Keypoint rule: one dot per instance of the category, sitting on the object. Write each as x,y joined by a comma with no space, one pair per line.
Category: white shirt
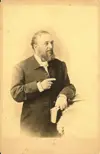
43,64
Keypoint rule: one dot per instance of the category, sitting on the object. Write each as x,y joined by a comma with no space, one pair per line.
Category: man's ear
35,46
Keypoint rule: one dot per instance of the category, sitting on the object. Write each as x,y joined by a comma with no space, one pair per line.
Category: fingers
49,82
49,86
64,106
61,106
51,79
57,105
61,130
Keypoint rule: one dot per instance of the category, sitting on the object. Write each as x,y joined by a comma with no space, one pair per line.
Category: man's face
44,47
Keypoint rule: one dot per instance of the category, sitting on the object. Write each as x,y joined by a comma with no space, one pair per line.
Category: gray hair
39,33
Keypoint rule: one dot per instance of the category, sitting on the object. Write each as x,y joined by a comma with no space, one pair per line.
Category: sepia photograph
50,78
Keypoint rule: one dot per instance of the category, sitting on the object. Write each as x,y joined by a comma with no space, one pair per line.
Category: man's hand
61,102
60,129
47,83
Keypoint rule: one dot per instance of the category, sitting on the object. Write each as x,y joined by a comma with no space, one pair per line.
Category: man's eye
46,43
52,42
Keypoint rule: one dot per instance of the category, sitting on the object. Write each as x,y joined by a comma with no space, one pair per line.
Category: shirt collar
44,64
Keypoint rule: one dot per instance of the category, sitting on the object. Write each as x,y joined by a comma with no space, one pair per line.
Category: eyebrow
49,41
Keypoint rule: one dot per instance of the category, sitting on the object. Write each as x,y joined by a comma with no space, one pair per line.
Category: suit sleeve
19,90
68,88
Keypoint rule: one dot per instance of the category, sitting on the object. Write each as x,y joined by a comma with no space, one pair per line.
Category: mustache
51,56
50,51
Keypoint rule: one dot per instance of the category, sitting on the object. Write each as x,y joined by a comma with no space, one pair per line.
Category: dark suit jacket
35,115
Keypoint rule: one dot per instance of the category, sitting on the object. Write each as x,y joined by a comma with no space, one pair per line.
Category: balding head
42,44
36,35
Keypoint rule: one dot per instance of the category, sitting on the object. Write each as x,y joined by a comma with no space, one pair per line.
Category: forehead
44,38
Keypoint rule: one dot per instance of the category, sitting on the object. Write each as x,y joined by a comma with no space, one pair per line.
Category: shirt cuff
40,88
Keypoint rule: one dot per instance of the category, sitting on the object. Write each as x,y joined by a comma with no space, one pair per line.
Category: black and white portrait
41,82
50,77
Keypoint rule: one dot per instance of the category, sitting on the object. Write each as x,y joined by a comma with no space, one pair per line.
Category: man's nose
50,45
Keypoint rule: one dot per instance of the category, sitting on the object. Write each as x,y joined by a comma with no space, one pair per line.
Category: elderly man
41,82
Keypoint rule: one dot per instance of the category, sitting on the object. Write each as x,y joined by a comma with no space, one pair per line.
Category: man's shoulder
25,62
58,62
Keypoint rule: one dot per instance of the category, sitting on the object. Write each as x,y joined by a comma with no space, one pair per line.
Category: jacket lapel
51,70
35,63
